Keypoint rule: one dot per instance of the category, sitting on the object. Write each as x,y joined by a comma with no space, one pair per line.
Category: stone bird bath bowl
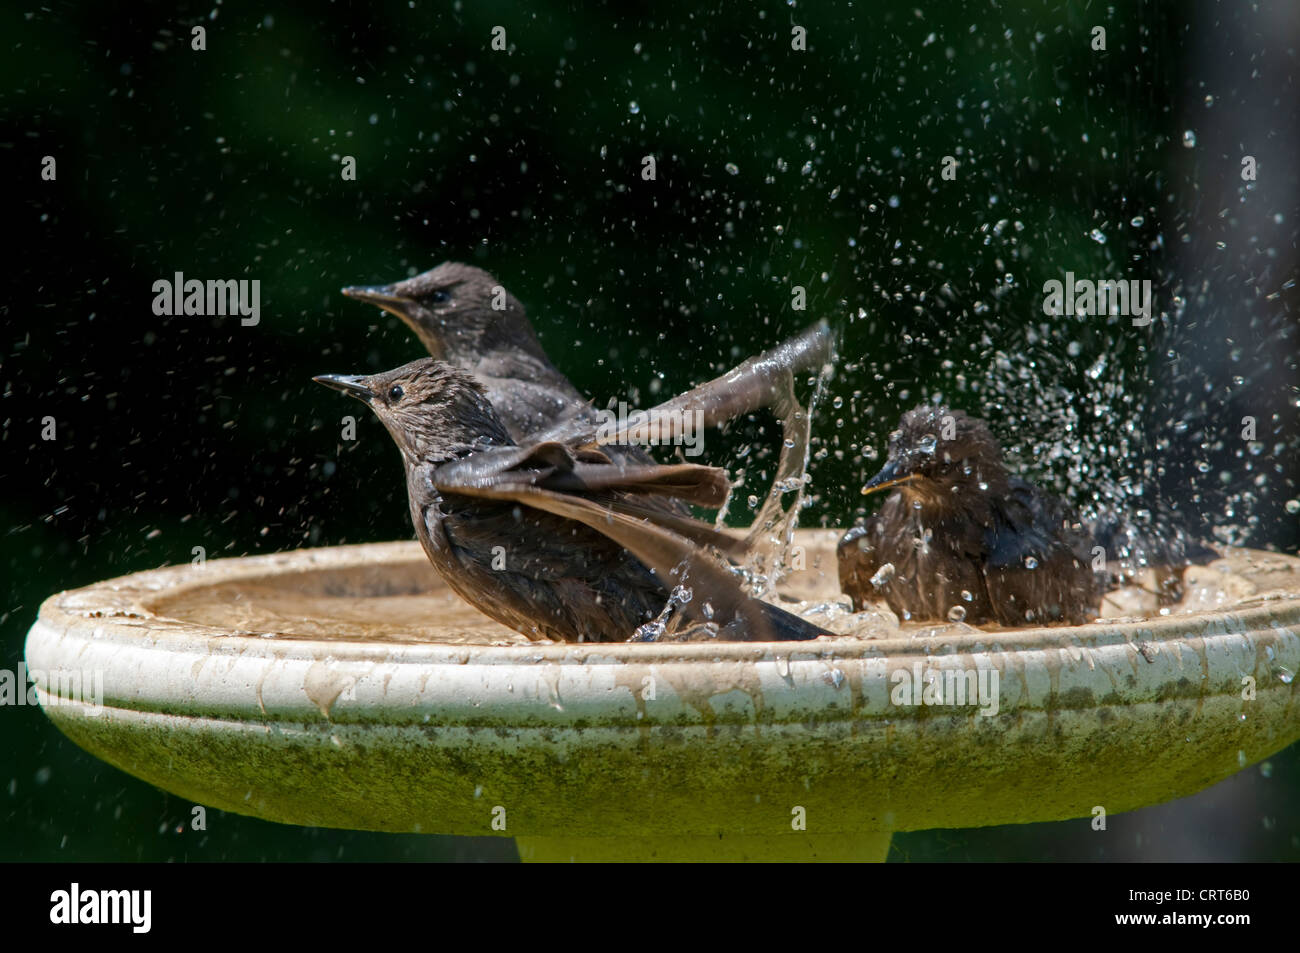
347,687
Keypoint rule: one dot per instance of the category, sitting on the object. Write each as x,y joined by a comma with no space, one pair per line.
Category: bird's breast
936,568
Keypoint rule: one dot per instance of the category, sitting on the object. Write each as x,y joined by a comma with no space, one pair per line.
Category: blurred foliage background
775,167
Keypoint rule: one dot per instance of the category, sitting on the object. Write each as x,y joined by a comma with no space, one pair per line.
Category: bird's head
458,311
936,449
435,412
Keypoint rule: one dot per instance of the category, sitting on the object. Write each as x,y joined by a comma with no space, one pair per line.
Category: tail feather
1145,541
783,626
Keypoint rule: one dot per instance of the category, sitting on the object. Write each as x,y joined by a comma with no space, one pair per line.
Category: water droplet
650,632
966,595
957,614
1098,236
883,575
633,108
927,444
1284,675
1189,139
1293,506
732,168
1209,101
1031,562
1137,221
1266,768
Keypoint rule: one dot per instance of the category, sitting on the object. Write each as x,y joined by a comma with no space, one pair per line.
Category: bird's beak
385,296
891,474
352,385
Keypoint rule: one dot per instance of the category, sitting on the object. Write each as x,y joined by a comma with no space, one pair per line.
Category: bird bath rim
430,736
135,597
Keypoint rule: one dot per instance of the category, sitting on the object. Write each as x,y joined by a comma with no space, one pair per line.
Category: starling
465,317
1012,553
554,540
960,538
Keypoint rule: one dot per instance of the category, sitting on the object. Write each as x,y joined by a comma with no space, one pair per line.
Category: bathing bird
465,317
555,540
961,538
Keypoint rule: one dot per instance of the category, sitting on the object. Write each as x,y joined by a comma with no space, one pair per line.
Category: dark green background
775,168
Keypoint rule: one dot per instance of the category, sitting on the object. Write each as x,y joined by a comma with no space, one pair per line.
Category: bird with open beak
553,540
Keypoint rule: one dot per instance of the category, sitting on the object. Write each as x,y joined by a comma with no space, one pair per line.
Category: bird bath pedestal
347,687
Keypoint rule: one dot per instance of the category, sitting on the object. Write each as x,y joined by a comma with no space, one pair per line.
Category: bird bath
347,687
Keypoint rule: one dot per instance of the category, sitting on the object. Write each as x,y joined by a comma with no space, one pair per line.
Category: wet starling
962,539
550,539
464,316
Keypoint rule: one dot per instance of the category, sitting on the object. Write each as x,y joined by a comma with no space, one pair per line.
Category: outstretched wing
627,489
676,557
555,466
742,390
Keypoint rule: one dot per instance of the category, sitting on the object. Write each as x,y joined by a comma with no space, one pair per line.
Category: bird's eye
440,296
396,393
